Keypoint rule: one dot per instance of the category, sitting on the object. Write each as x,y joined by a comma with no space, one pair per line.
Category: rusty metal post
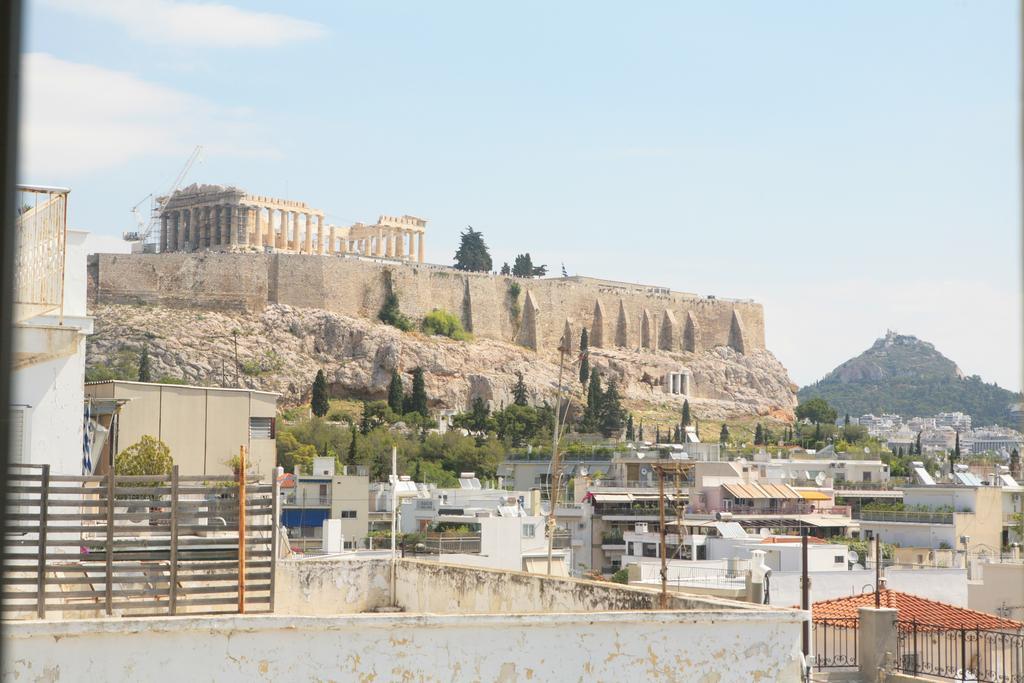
109,601
878,570
664,549
172,595
241,529
44,498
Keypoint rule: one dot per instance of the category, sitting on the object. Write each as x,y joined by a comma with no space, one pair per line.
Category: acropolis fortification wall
617,314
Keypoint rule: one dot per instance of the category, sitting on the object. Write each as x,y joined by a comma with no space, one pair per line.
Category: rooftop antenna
141,235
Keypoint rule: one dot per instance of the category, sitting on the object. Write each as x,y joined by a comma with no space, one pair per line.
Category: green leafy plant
147,456
441,322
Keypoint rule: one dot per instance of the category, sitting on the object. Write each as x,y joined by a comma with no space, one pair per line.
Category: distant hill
902,374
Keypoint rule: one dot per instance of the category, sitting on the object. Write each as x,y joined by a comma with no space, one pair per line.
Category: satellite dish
858,567
644,470
584,471
852,556
820,479
867,450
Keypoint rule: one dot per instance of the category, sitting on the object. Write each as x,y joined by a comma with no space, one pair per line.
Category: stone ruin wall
622,315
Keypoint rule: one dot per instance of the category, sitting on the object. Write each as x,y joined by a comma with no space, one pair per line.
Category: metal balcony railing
39,253
906,516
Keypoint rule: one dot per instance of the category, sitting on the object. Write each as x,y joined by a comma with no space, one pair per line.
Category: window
529,530
348,514
17,436
839,559
867,476
349,545
261,428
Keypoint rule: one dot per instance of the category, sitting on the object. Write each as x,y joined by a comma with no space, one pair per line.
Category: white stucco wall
46,384
659,646
944,585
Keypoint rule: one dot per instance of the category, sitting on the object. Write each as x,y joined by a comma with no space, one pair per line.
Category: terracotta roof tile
913,608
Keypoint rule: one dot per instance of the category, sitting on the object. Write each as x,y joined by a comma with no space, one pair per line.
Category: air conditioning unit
640,527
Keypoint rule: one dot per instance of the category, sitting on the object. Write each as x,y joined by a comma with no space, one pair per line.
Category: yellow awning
814,495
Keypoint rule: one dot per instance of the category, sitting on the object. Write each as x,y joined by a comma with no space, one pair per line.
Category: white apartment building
50,327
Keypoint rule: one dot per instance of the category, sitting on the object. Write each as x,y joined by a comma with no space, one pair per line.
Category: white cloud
79,117
193,23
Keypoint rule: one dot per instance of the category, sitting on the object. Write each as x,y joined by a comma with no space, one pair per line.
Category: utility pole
878,569
664,549
805,592
556,461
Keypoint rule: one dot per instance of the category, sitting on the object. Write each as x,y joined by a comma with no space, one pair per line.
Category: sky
852,166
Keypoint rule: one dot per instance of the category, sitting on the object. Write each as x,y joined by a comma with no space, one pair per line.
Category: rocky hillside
903,374
281,349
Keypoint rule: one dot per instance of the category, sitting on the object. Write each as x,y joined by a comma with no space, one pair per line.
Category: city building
203,426
309,500
48,339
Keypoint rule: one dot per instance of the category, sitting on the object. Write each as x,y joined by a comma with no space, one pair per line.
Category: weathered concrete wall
355,286
347,586
662,646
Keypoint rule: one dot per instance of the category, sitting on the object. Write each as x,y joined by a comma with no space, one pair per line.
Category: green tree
917,444
1015,470
723,436
477,419
505,269
846,420
611,411
686,413
759,435
956,449
441,322
517,424
147,456
353,450
519,394
640,432
144,369
591,421
677,435
523,267
816,410
472,254
584,356
396,394
419,393
391,314
630,435
319,402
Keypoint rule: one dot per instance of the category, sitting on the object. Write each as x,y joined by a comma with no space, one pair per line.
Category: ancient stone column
193,228
419,247
308,246
333,242
379,251
296,235
163,232
181,220
257,236
235,225
321,236
281,239
399,245
218,234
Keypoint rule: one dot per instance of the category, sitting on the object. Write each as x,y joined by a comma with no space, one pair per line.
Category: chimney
535,502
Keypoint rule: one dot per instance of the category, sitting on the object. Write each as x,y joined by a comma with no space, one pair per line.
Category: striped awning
752,491
814,495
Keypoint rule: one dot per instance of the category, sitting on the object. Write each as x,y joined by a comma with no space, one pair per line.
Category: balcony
906,516
299,500
39,256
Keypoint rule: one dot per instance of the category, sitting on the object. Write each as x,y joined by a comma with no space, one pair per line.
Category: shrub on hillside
440,321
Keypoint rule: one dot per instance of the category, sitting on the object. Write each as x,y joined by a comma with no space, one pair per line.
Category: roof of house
913,608
751,490
811,540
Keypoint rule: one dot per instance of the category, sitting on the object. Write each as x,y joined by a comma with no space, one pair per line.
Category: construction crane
141,235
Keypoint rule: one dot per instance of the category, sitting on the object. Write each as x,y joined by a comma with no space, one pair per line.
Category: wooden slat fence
138,545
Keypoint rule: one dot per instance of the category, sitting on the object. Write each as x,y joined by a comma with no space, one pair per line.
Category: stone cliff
280,348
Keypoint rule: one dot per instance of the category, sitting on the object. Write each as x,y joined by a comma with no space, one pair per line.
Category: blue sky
852,166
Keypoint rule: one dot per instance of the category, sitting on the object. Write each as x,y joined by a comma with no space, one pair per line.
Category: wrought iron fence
834,643
960,654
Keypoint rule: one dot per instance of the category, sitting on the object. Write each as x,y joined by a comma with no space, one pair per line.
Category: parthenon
219,218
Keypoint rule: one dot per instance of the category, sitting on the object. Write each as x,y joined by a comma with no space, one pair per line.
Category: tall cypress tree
396,394
592,413
723,436
630,435
418,401
584,356
319,402
686,413
519,393
144,370
956,448
759,435
611,410
351,459
640,433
